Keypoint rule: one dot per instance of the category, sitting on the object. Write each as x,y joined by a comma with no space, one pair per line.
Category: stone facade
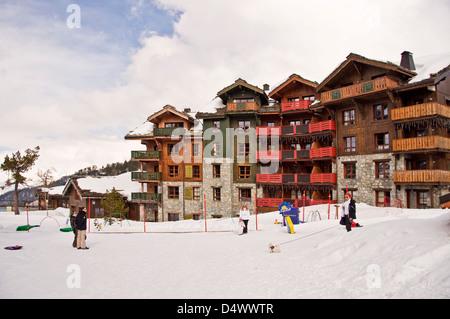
365,185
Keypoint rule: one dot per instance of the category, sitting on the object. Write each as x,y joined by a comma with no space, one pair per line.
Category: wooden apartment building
171,166
369,129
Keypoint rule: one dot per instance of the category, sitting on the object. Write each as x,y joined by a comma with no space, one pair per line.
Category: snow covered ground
397,254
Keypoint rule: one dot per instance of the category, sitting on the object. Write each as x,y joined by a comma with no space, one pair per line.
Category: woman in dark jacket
73,222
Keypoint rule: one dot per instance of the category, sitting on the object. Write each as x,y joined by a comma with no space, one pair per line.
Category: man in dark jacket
81,228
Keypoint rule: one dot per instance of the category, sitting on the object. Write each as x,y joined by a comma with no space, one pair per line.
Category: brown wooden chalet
379,111
89,191
171,167
422,142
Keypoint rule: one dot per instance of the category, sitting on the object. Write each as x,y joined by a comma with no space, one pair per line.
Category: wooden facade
170,165
367,129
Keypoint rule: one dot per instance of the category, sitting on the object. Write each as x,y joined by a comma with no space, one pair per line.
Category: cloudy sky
76,79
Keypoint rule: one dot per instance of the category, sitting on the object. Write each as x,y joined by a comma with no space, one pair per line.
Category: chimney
266,87
407,61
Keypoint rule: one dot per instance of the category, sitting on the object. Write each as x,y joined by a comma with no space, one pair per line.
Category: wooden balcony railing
323,152
267,131
359,89
293,106
420,110
146,197
422,176
166,131
296,178
268,155
421,143
145,155
146,176
247,106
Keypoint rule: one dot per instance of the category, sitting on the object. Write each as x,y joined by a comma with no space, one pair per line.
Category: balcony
295,106
421,144
268,155
296,202
268,131
242,107
167,131
145,155
323,152
309,128
146,197
363,88
146,176
419,111
422,176
296,178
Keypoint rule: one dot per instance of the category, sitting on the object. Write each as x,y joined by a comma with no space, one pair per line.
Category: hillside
27,194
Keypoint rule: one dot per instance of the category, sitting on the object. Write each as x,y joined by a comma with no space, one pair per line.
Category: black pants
245,226
348,223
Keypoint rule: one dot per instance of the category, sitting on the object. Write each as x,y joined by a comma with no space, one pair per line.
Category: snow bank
397,254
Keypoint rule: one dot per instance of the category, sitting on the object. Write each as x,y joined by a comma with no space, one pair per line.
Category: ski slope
396,254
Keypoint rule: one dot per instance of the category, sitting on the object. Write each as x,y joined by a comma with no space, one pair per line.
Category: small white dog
274,248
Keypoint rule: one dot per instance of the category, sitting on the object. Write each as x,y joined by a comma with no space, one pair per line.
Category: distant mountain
28,194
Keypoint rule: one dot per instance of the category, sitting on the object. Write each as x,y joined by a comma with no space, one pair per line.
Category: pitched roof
292,79
355,58
169,108
241,83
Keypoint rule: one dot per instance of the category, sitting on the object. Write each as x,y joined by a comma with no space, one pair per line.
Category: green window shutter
188,193
188,171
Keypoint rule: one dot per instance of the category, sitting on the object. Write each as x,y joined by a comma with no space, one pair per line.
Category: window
217,192
216,125
244,100
270,124
175,124
172,148
422,199
196,193
382,141
309,98
244,171
380,112
382,198
173,170
216,151
294,99
244,125
421,165
350,144
173,217
349,117
243,149
216,171
174,192
421,133
350,170
294,123
382,169
196,171
195,149
245,194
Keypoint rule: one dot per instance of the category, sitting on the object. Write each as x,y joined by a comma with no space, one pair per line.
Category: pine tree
17,165
113,203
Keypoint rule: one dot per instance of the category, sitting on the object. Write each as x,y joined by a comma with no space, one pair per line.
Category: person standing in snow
73,222
345,217
244,216
81,228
